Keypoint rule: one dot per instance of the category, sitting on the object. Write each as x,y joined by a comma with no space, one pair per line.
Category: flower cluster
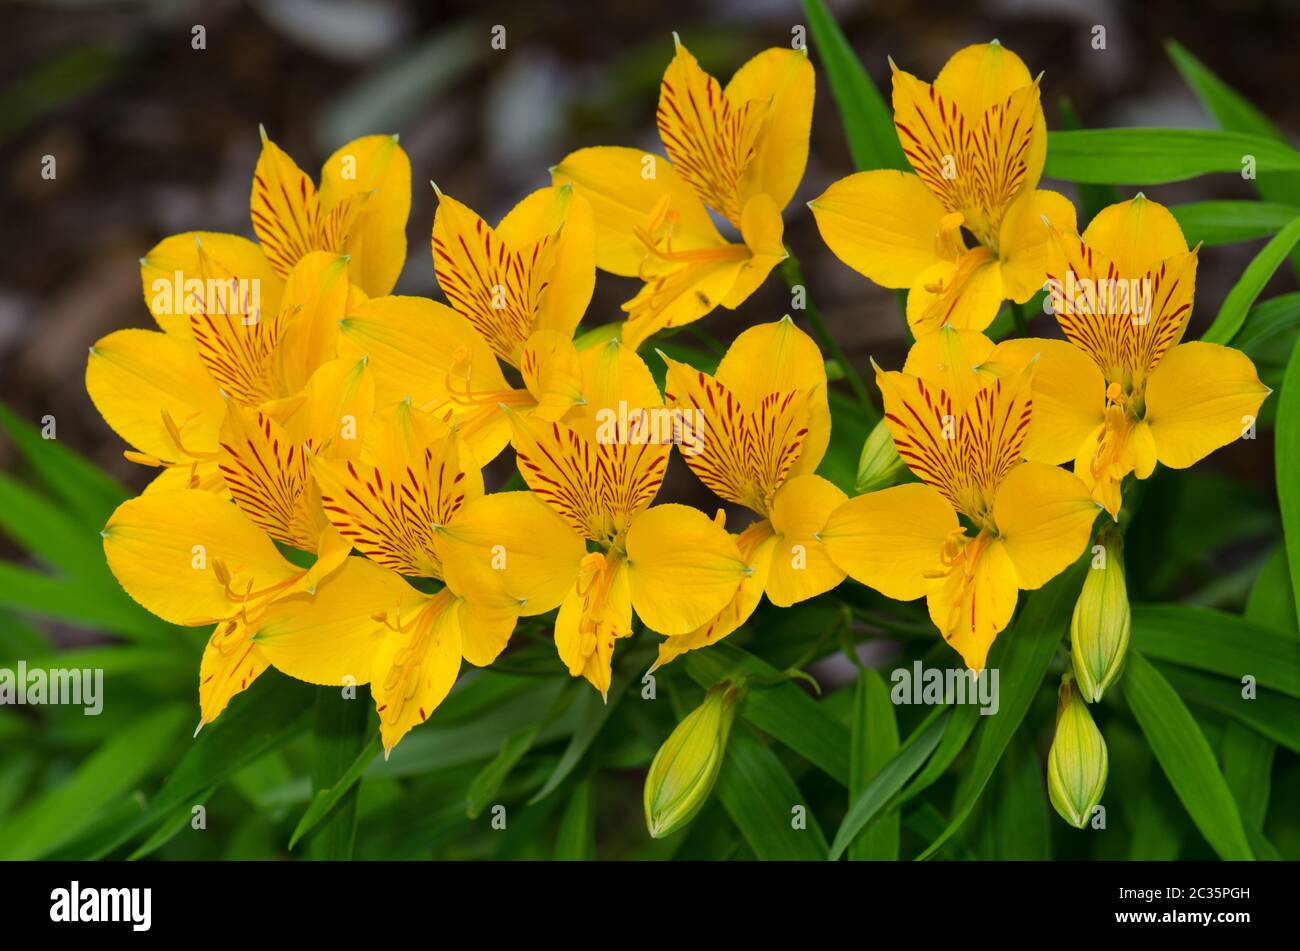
321,442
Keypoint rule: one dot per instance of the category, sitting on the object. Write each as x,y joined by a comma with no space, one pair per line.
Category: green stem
793,274
1018,315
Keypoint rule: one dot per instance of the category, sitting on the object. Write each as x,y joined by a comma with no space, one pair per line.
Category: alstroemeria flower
739,150
518,292
233,334
1122,294
194,559
759,428
600,471
982,523
976,140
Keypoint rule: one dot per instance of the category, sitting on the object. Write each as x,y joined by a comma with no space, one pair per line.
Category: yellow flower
599,471
1123,294
518,292
739,150
409,504
755,433
233,335
194,559
1027,521
976,140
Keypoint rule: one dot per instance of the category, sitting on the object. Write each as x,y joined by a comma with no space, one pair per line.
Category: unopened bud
1077,764
686,766
880,464
1099,633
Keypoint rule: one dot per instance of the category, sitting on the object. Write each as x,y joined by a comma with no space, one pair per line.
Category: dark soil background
154,137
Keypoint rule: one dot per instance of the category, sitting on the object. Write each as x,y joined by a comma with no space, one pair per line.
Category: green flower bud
686,766
1099,633
879,465
1077,764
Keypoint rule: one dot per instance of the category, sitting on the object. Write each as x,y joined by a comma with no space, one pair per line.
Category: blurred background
154,137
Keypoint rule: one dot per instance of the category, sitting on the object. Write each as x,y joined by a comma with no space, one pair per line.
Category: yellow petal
331,637
626,189
1069,394
267,475
1044,516
682,568
891,540
552,370
1135,234
485,630
1200,397
778,357
315,300
332,413
883,224
801,565
965,294
974,601
686,290
709,136
172,282
426,351
1022,240
231,662
415,667
562,212
508,549
1118,446
285,209
595,613
764,232
782,82
141,379
376,169
756,544
952,360
191,557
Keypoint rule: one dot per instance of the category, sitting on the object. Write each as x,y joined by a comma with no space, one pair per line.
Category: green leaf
1287,451
83,486
1159,156
343,745
1268,714
868,123
760,797
1266,320
1219,643
1022,654
783,711
172,827
596,711
875,743
1229,222
1186,758
576,840
108,773
487,783
1092,198
1017,821
965,717
1248,770
67,600
267,715
1232,315
50,532
888,781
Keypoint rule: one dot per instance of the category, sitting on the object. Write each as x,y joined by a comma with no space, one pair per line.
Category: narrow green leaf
487,783
875,743
764,802
1232,315
51,532
341,736
965,717
596,711
1018,810
1229,222
888,781
1248,770
576,840
1092,198
1287,451
67,600
172,827
868,123
108,773
1268,713
1186,758
271,712
1219,643
783,711
1159,156
1266,320
82,485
